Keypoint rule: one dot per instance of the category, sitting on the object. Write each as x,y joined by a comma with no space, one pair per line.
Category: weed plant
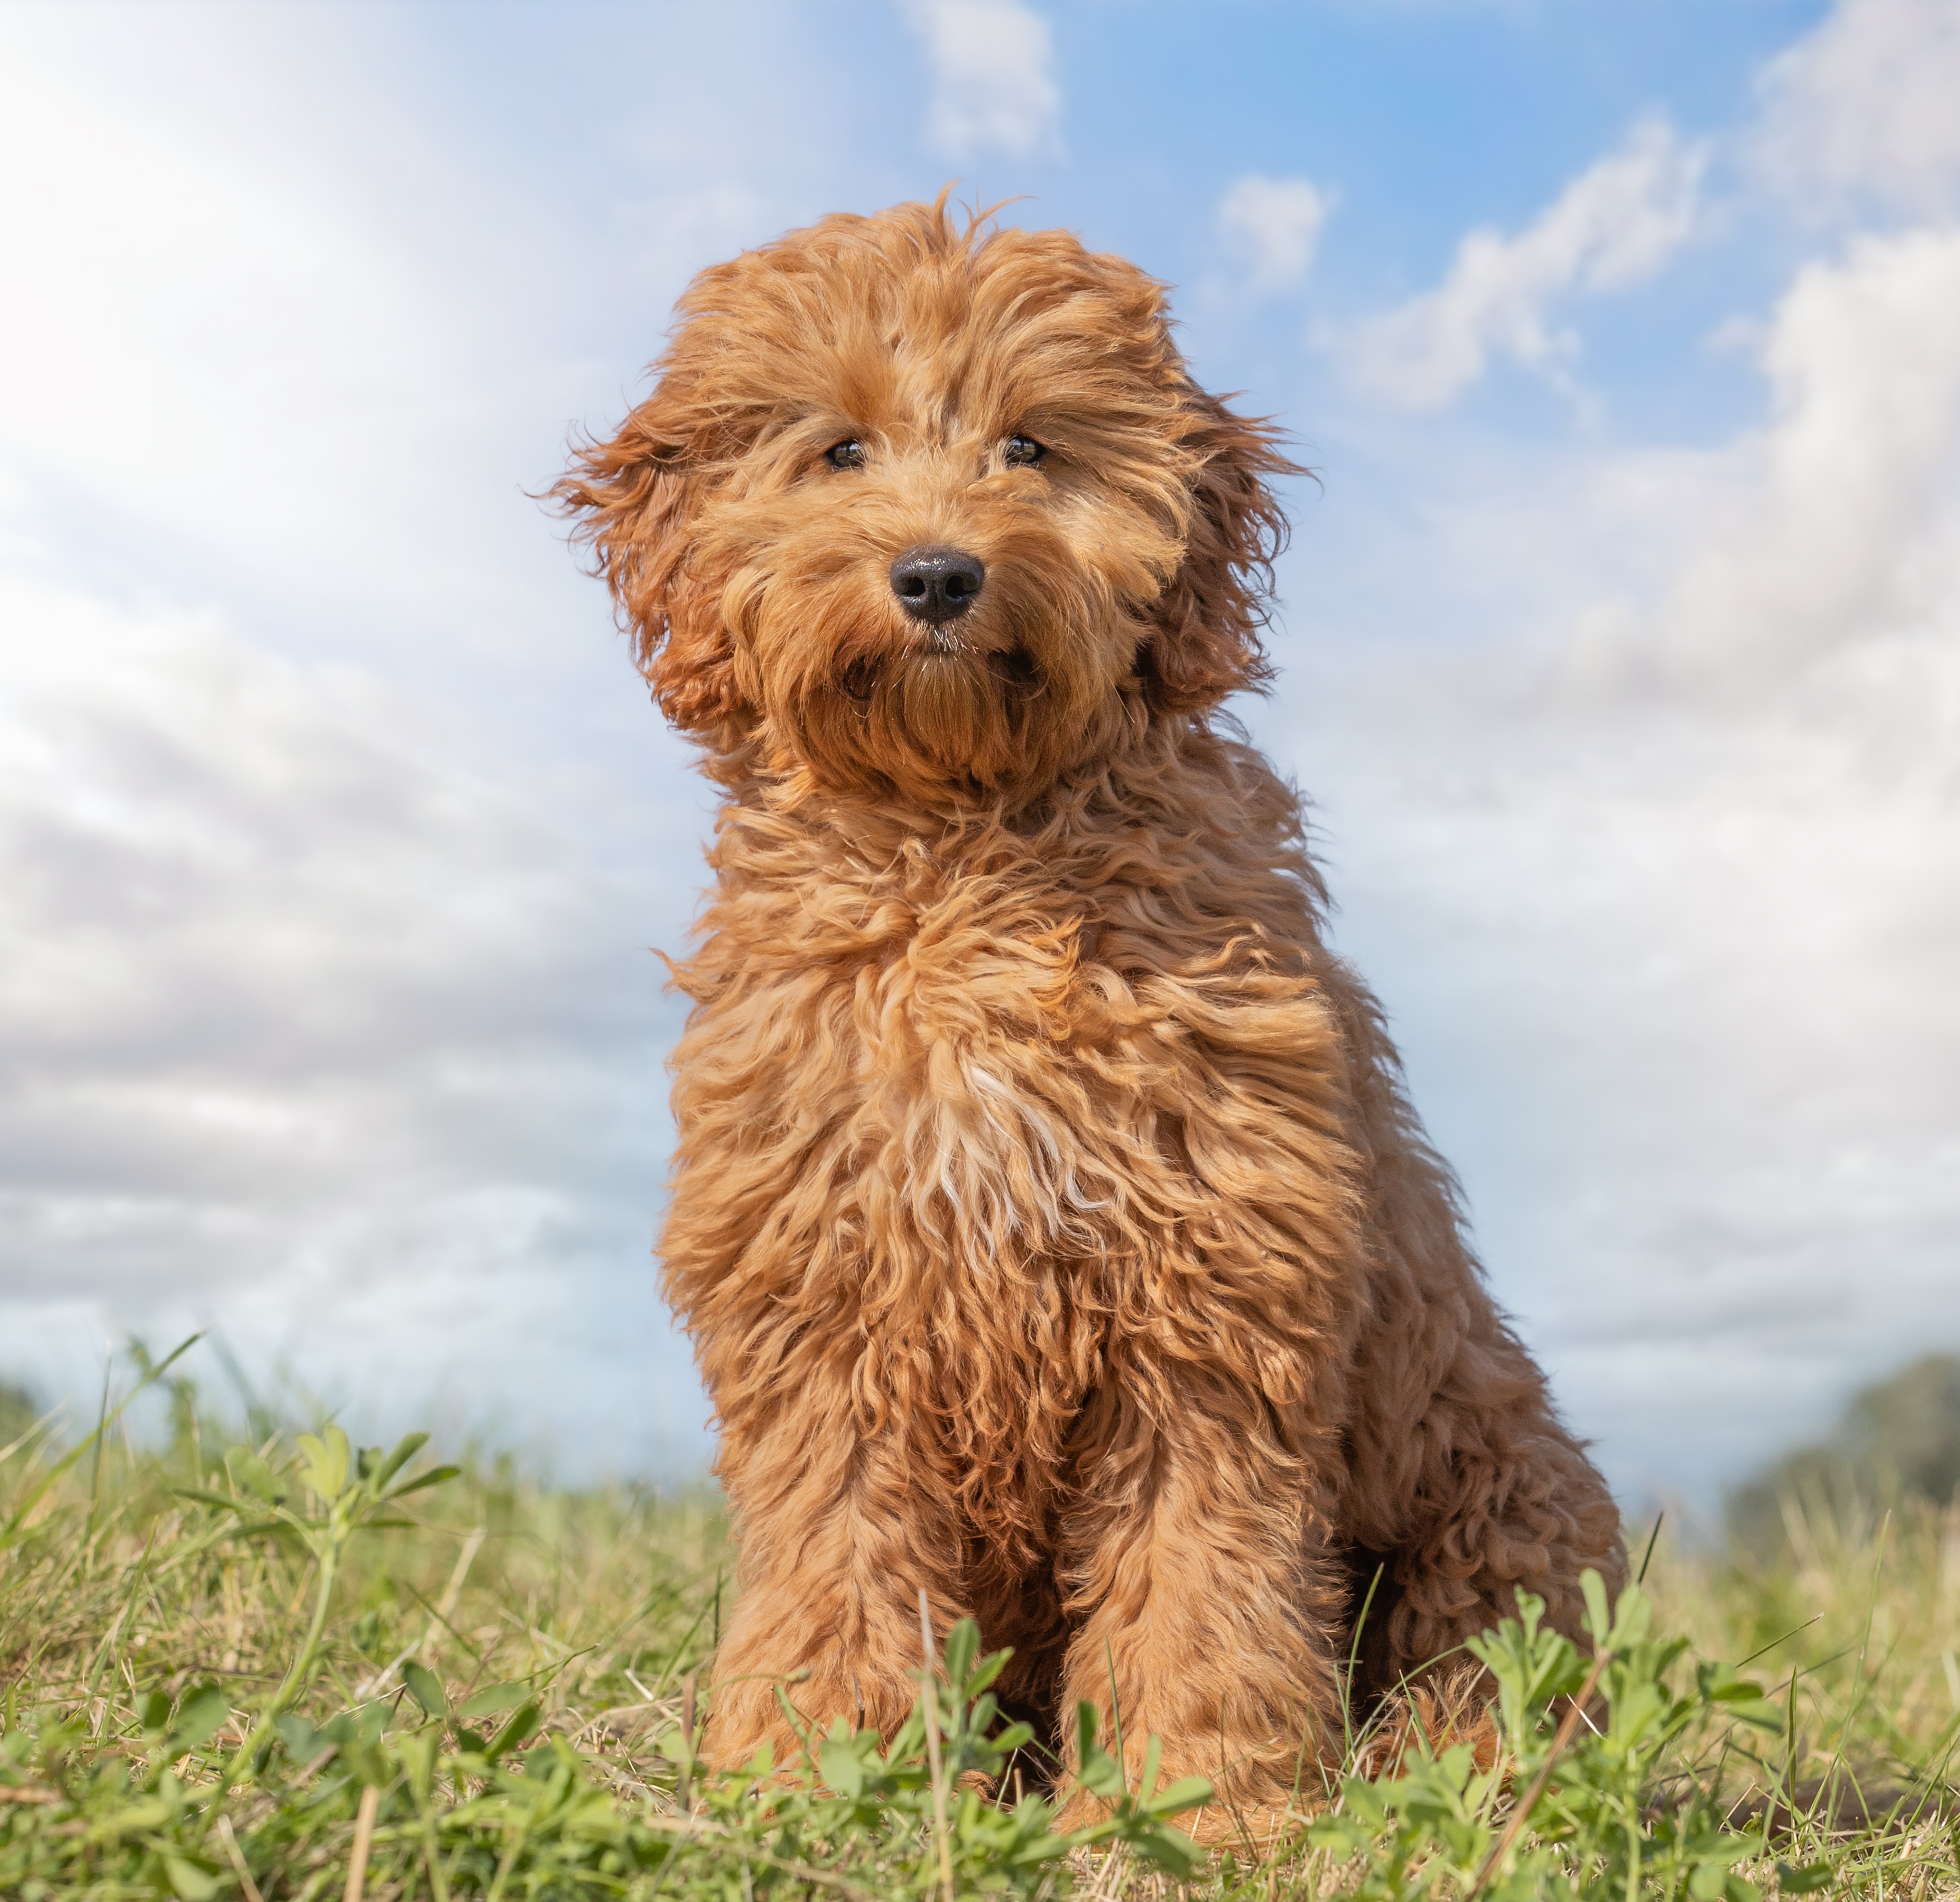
278,1666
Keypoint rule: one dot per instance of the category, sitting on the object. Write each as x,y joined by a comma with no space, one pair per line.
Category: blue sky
1620,646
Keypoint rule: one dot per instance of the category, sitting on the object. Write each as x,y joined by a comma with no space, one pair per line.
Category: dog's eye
1022,452
848,454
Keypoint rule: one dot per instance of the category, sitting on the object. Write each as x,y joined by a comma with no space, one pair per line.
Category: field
267,1665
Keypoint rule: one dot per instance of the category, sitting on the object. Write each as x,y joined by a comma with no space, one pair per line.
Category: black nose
934,583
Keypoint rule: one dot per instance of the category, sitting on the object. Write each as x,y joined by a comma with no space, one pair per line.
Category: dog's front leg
840,1529
1208,1606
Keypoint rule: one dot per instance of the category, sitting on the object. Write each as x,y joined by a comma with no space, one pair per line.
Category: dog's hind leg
1463,1474
1458,1469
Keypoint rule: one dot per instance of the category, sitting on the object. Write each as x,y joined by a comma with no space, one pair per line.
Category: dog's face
930,512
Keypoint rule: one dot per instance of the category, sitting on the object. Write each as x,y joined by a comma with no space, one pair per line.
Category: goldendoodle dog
1053,1230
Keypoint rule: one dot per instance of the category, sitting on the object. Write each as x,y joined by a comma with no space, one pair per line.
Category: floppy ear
1204,639
635,499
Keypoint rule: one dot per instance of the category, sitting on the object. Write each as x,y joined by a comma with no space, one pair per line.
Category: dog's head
931,509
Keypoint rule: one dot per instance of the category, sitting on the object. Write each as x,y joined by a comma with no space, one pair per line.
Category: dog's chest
976,1055
953,1078
1029,1067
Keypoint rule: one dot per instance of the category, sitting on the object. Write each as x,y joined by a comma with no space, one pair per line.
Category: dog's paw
1429,1716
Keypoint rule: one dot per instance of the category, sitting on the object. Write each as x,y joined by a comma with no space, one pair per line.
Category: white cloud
1868,105
1667,906
181,308
994,87
1834,527
1272,226
307,1028
1617,223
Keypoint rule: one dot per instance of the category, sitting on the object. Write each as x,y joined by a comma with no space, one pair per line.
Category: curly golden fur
1051,1226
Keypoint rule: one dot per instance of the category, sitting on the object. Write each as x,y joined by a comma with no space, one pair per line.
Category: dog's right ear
635,500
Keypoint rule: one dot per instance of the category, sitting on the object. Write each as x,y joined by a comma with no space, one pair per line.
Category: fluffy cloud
182,310
994,86
1670,899
1272,226
1867,107
1831,529
1659,859
307,1027
1618,222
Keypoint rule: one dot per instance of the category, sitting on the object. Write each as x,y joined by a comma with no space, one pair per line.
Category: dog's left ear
634,500
1204,642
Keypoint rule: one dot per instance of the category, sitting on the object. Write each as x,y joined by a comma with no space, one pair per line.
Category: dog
1055,1236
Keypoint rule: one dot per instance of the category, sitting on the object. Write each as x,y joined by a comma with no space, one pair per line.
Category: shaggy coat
1053,1231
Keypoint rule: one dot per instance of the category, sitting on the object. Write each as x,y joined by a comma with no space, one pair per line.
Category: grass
273,1666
